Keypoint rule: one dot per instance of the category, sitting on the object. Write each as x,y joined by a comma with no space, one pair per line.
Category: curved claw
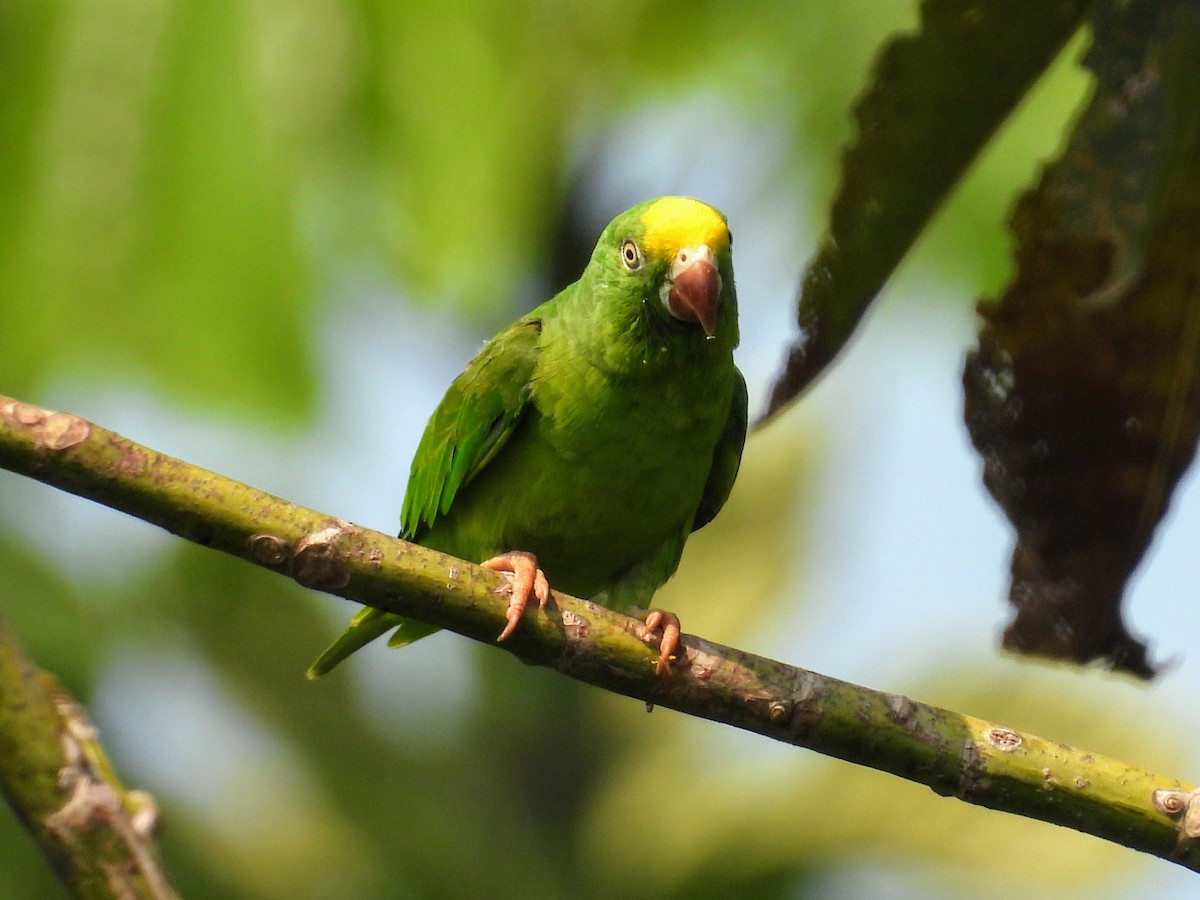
527,578
658,620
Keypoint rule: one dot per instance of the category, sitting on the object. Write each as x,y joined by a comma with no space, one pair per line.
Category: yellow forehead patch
675,222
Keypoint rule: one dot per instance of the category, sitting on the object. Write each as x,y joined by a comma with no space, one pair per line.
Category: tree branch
54,773
955,755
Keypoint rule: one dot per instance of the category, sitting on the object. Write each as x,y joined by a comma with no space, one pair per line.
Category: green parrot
588,439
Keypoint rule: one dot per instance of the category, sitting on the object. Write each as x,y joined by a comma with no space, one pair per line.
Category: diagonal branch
954,754
97,836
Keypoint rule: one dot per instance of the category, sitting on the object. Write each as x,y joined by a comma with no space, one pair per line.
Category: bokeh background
264,236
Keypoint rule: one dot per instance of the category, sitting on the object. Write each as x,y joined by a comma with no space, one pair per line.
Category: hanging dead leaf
1083,396
935,99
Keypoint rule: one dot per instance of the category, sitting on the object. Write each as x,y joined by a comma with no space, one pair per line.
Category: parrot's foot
526,577
663,626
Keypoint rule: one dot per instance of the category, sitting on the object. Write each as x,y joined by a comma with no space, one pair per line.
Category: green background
263,236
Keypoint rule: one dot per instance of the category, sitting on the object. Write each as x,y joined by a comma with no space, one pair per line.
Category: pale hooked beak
693,290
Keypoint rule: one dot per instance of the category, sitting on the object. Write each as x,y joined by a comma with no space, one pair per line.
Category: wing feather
727,457
480,411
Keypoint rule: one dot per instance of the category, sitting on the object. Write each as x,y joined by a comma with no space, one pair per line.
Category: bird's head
681,247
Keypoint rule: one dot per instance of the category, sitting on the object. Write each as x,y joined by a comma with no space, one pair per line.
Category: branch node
972,767
1183,808
90,801
320,561
1004,739
900,708
780,710
50,430
143,814
91,798
268,549
807,706
575,624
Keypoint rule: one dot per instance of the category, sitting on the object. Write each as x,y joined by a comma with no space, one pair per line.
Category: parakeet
588,439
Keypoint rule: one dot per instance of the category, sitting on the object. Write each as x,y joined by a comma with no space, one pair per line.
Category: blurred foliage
146,228
188,193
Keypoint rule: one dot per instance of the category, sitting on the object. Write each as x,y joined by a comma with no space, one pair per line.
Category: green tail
369,624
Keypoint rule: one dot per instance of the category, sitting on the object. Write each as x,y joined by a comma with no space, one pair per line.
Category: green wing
474,420
476,417
726,458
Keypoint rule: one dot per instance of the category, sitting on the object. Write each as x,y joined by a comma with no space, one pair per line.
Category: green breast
598,475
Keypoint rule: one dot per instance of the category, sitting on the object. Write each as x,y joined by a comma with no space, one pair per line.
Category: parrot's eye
631,256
